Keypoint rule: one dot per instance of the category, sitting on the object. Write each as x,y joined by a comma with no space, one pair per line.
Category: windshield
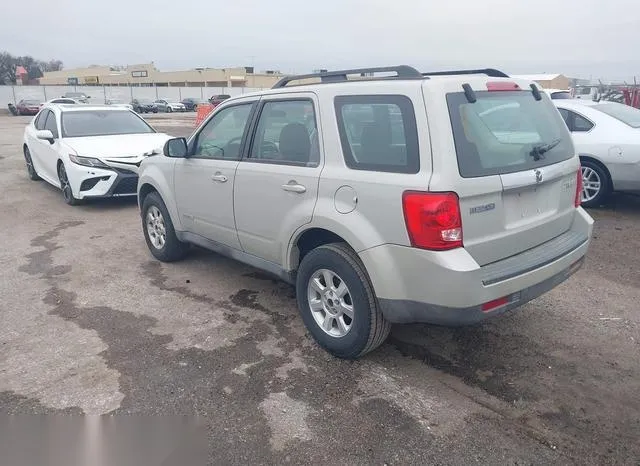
31,102
624,113
506,132
102,123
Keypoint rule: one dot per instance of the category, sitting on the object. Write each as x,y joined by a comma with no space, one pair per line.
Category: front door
276,184
45,154
204,180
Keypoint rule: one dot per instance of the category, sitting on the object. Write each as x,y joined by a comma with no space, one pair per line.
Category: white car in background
118,103
607,138
169,106
89,151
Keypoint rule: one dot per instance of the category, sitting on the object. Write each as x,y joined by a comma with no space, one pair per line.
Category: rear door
276,185
516,171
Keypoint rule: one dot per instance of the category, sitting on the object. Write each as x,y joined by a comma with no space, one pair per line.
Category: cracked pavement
92,324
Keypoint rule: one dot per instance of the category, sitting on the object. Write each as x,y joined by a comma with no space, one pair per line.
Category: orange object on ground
203,111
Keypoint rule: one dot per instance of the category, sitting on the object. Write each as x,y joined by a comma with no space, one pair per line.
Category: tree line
35,68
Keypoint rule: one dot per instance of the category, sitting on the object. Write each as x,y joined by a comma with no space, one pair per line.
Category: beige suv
441,197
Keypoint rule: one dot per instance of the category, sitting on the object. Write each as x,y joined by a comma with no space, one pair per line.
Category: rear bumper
450,288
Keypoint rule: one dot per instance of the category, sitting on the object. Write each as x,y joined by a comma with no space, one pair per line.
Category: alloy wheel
591,184
156,229
330,302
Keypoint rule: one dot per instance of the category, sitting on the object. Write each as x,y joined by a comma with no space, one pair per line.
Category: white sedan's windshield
102,123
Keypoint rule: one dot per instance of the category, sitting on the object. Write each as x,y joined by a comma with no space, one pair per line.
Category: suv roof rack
488,71
402,72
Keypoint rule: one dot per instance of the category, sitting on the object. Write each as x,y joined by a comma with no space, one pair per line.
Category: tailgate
516,170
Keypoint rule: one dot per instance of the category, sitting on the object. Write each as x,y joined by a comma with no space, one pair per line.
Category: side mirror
45,135
176,147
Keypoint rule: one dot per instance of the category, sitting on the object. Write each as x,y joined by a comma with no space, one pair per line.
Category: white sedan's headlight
88,161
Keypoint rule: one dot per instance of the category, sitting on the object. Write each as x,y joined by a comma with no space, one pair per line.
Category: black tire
599,173
169,110
155,110
173,249
65,186
33,175
369,329
195,108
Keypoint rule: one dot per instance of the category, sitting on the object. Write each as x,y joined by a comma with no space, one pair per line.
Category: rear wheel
30,168
159,232
595,184
337,302
65,186
169,110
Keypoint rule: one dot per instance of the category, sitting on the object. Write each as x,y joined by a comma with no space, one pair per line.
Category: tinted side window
51,124
287,132
378,133
40,119
580,123
221,137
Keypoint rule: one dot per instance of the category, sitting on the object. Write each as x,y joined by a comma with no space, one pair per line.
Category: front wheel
595,184
159,232
169,110
65,186
337,302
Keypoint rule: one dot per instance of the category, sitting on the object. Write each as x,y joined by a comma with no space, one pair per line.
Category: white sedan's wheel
595,184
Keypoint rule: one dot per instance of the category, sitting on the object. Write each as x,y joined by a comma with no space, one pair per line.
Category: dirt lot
90,323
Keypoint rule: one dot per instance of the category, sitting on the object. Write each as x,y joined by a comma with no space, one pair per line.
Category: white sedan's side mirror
45,135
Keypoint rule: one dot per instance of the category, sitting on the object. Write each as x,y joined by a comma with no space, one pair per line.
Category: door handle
294,187
219,177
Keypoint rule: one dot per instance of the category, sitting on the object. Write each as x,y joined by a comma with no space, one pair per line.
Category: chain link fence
99,94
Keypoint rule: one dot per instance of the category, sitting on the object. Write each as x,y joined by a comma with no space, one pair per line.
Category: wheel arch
309,238
149,183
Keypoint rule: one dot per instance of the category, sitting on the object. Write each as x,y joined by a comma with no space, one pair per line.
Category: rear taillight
433,220
578,199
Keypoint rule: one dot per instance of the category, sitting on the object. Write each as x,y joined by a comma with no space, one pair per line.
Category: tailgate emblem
538,176
482,208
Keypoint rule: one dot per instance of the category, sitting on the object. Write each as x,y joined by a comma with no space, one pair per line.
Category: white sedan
89,151
607,138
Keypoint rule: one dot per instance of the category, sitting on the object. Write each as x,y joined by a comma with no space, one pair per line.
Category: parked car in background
89,151
218,99
398,200
28,106
79,96
118,103
559,94
61,100
168,106
144,106
191,103
607,139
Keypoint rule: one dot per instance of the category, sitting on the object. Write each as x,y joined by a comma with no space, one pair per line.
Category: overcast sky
582,38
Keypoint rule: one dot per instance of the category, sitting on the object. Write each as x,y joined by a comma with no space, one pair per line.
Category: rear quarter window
378,133
499,132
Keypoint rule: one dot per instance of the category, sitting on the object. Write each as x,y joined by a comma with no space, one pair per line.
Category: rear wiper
539,150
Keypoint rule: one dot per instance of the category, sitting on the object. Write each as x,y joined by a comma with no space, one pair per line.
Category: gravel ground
90,323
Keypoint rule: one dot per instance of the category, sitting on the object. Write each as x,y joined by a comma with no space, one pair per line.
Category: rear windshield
561,95
102,123
31,102
504,132
624,113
